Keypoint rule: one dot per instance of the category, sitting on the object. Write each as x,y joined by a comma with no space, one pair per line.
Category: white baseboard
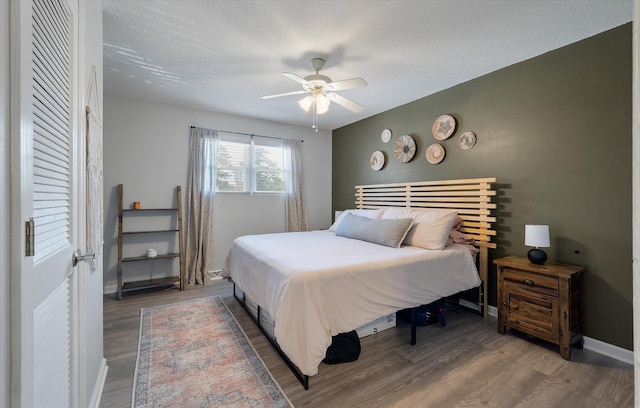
492,311
600,347
99,387
109,289
609,350
469,305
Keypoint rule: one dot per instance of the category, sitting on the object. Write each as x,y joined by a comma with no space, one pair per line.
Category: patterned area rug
194,354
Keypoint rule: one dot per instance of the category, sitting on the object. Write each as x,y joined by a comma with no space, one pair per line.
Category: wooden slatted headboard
471,198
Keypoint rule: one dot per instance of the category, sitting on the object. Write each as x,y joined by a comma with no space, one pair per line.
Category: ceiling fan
321,91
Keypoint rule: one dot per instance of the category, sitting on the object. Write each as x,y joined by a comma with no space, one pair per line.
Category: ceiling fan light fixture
321,91
322,104
306,103
320,101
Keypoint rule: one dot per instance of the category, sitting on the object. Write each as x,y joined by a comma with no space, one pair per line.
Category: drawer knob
528,282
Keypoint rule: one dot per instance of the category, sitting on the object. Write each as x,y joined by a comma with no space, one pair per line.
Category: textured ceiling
223,55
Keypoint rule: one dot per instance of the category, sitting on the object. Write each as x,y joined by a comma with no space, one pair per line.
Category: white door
47,185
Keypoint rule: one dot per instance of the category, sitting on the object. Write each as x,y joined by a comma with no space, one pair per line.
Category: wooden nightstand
544,301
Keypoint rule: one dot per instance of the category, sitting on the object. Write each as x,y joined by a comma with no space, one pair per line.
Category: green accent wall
555,131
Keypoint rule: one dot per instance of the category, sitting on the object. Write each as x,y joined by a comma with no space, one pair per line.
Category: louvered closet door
53,199
50,188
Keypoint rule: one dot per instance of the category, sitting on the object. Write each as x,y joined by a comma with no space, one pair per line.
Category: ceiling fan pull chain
315,115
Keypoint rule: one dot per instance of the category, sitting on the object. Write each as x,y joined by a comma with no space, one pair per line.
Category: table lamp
536,236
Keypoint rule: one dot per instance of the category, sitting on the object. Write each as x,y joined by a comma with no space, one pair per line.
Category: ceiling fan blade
347,84
296,78
283,94
344,102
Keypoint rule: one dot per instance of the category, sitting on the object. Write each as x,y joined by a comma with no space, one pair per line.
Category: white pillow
394,212
430,229
373,214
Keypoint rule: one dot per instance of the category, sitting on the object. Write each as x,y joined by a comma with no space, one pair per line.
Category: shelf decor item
467,140
443,127
386,135
435,153
377,160
536,236
404,149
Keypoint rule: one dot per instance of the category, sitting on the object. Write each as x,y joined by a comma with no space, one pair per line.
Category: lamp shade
536,236
306,103
322,104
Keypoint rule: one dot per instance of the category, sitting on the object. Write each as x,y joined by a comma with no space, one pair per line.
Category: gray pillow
390,232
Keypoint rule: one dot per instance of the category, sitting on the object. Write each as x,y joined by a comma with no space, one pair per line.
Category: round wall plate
386,135
377,160
467,140
404,148
443,127
435,153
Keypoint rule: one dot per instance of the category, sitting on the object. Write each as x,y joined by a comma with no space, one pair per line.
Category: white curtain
200,193
295,206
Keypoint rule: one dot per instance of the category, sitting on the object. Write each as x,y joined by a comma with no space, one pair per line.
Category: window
249,164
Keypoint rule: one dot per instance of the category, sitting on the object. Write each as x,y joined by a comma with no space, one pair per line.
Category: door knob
77,257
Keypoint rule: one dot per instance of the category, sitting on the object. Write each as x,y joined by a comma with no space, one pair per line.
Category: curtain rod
247,134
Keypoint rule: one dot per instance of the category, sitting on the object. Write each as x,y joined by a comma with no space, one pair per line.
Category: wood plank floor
465,364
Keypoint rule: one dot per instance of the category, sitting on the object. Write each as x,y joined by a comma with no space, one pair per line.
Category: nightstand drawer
531,312
532,282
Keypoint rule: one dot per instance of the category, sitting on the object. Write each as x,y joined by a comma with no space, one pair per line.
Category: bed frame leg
414,322
484,276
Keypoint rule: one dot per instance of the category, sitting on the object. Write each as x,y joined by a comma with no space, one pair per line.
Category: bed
313,285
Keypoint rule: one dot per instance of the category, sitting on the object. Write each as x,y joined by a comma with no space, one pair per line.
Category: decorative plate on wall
435,153
404,149
467,140
377,160
386,135
443,127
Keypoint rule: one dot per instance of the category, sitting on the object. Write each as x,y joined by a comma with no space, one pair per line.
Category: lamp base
537,256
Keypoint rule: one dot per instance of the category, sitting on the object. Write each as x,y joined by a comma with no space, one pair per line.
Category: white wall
146,149
5,311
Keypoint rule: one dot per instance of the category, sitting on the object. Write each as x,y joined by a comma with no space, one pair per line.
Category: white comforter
316,284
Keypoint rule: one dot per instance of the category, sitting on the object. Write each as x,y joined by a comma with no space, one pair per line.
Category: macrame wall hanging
94,170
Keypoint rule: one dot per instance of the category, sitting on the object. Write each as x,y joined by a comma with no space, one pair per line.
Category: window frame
250,169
